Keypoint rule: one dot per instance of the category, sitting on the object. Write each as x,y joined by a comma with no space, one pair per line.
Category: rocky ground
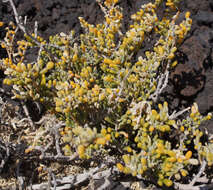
191,81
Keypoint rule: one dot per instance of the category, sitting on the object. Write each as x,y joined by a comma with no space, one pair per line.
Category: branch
5,147
202,168
28,115
20,25
76,180
175,115
162,83
191,186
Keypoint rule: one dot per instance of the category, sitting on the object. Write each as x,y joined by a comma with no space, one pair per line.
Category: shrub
109,97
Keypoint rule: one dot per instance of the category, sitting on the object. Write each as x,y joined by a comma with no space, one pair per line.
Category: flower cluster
108,96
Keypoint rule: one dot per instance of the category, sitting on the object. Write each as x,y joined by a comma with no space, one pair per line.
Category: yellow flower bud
81,151
8,81
188,155
187,15
151,129
129,149
184,173
50,65
174,63
108,137
103,131
28,150
172,159
120,167
126,158
167,182
143,161
180,160
182,128
101,141
58,102
43,80
75,57
160,182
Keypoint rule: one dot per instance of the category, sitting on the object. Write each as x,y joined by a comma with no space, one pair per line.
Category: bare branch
162,83
19,23
73,181
7,150
36,29
202,168
175,115
28,115
189,187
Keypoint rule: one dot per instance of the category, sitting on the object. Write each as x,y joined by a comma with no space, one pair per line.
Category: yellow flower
188,155
180,160
184,173
116,134
120,167
154,112
143,161
103,131
160,50
174,63
7,81
126,158
108,61
43,80
171,56
160,182
167,182
109,129
171,153
187,15
81,151
172,159
75,57
101,141
129,149
209,116
108,137
3,45
151,129
58,109
58,102
28,150
50,65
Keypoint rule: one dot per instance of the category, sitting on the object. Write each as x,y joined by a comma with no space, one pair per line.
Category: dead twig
28,115
202,169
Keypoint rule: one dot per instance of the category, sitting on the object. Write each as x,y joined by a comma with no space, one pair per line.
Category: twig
20,178
60,158
51,176
28,115
36,29
189,187
162,83
73,181
57,138
175,115
4,160
20,25
202,168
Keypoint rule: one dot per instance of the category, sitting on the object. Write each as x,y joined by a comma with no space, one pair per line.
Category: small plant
108,97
